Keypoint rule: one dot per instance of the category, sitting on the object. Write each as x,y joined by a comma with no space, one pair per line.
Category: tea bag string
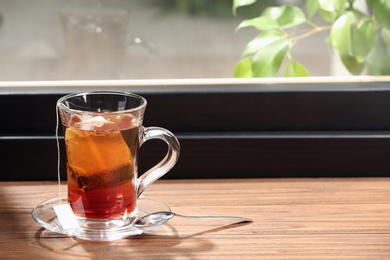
58,155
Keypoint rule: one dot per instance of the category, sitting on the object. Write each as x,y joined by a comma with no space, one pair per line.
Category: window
316,127
122,39
259,128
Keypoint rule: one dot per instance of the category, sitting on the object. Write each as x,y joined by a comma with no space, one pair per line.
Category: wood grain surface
292,219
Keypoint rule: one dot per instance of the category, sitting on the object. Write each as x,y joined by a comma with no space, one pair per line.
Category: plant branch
289,56
312,24
311,32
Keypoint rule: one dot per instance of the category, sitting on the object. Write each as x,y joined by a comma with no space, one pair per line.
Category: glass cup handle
165,164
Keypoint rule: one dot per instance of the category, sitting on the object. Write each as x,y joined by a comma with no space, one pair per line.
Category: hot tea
101,161
103,132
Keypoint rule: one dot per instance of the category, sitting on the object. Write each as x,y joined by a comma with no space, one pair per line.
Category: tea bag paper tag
65,216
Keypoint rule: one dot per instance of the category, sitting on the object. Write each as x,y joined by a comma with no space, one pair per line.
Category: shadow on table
164,242
16,222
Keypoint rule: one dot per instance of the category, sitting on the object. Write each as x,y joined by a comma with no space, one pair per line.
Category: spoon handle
236,218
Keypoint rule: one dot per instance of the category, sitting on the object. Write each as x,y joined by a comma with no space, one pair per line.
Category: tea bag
97,154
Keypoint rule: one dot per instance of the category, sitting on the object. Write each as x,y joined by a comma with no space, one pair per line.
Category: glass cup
98,44
103,133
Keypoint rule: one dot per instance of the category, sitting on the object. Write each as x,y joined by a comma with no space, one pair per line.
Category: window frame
228,128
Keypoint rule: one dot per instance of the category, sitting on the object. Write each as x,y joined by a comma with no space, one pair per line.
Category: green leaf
330,10
243,68
285,16
260,23
276,17
311,7
369,3
261,41
332,5
381,10
267,60
238,3
328,40
353,64
340,34
328,16
363,37
295,69
386,35
378,60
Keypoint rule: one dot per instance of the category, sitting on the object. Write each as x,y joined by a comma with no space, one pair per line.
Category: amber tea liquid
101,166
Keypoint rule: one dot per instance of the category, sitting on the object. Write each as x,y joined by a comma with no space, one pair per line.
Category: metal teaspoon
160,217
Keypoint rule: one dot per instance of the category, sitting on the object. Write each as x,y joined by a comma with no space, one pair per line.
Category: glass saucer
45,216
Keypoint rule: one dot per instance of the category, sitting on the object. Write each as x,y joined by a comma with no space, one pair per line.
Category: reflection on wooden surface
293,218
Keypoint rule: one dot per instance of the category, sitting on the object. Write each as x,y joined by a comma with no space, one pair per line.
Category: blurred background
132,39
